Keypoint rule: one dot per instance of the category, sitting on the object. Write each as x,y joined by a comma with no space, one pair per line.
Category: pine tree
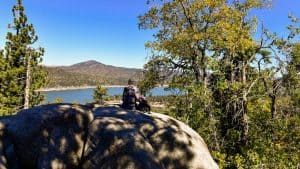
18,54
2,79
99,93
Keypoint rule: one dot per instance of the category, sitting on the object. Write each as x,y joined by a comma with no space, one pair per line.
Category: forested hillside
89,73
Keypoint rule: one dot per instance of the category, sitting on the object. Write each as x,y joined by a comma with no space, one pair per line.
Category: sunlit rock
65,136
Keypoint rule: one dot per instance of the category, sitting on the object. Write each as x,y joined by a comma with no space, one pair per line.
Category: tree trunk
205,79
204,65
212,125
196,73
28,82
245,123
273,106
244,79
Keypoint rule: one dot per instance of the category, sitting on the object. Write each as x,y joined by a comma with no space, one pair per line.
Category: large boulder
50,136
66,136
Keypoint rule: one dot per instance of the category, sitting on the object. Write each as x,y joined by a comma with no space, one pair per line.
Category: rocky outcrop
65,136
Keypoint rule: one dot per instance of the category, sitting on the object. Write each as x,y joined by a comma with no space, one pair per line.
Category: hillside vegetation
89,73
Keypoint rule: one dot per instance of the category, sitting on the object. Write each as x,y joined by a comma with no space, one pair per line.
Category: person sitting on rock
130,96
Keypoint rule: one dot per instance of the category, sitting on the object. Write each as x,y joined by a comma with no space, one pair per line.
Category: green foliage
293,76
234,89
3,74
99,93
151,78
15,63
58,100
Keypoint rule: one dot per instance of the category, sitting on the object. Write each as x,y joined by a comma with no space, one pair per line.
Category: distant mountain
90,73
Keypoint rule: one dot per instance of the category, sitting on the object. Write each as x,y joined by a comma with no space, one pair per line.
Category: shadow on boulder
66,136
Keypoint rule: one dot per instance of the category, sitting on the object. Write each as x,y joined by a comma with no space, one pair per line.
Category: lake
86,95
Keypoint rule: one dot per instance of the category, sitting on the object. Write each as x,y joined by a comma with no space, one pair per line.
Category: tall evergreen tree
2,79
18,55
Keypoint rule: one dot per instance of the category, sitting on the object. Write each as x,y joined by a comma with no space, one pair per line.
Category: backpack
129,97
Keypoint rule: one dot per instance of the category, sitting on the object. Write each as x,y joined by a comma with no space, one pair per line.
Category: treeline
20,71
241,86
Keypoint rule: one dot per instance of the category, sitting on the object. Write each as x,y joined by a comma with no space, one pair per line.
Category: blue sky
72,31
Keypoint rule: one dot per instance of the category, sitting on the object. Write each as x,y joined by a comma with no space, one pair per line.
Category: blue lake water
86,95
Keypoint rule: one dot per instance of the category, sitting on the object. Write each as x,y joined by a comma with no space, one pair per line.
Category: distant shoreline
75,88
80,88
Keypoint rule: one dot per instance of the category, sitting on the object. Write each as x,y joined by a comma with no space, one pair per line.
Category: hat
130,81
